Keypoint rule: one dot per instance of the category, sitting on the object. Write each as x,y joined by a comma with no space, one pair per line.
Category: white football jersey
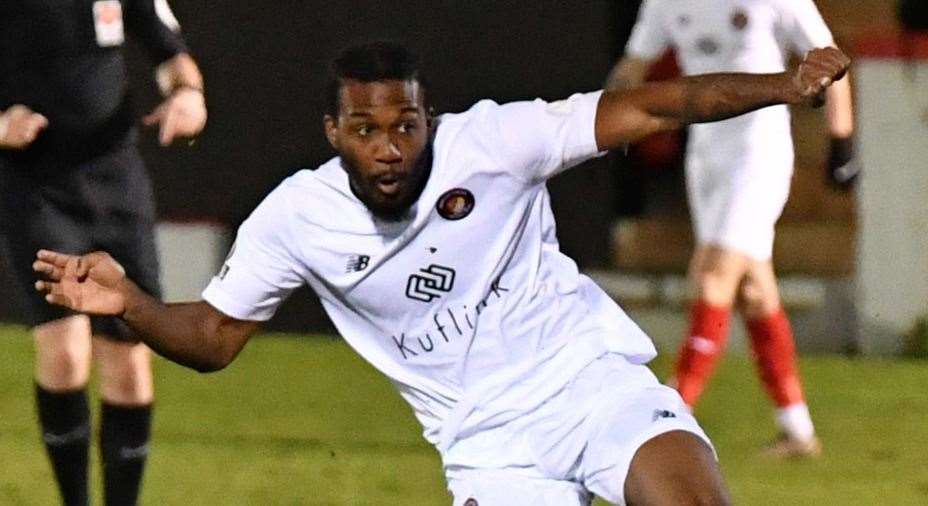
467,305
754,36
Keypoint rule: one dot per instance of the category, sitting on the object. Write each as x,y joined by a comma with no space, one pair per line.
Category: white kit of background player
738,170
738,175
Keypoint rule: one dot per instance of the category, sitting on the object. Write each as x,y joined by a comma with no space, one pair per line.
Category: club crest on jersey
455,204
739,19
683,20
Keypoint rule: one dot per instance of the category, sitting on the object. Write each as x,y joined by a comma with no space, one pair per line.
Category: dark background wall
266,66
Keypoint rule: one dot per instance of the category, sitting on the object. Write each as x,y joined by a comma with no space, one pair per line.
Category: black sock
65,422
124,435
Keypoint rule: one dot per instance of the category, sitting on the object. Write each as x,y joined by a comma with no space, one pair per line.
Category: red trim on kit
892,45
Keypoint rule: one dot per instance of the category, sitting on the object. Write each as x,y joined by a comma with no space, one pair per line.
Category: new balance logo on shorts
430,283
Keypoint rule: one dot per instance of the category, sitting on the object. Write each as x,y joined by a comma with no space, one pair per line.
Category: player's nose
388,152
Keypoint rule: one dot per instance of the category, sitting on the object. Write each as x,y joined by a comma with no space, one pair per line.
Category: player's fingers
49,270
59,299
35,122
51,287
818,65
836,61
53,257
168,127
31,129
39,120
17,112
186,126
154,117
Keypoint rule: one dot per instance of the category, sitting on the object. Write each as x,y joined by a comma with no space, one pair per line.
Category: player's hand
93,283
19,127
820,68
843,167
181,115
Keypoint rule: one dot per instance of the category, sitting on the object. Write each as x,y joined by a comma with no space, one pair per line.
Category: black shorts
105,203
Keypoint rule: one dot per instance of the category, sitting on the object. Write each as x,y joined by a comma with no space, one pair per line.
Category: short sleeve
537,139
259,273
803,25
154,24
649,38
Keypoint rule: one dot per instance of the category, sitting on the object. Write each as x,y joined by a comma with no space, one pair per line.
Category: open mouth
389,184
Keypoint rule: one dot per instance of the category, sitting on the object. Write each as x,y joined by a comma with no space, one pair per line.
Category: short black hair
370,62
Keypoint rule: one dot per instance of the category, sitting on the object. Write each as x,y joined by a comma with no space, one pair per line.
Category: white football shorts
578,444
736,202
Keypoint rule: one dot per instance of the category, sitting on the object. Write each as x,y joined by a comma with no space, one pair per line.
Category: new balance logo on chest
357,263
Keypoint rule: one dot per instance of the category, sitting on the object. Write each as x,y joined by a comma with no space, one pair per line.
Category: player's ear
430,116
330,123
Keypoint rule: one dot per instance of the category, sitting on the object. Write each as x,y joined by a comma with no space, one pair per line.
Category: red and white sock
701,350
775,354
795,421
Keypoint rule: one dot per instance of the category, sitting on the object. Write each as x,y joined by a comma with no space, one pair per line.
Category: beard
390,209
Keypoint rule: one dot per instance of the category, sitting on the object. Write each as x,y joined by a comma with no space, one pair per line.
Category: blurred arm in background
842,166
629,72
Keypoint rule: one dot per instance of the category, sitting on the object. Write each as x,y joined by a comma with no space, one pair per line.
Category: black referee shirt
64,59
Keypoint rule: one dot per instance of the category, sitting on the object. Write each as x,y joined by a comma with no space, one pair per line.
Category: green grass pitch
302,420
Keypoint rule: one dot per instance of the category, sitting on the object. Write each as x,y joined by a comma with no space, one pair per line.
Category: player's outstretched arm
194,334
626,116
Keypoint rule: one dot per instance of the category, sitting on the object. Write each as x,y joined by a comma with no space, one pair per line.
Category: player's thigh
749,208
628,420
675,468
718,273
494,487
719,261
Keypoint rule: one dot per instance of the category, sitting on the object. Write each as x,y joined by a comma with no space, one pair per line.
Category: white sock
795,421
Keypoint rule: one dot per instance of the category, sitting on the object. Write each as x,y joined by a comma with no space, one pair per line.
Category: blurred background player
70,175
738,178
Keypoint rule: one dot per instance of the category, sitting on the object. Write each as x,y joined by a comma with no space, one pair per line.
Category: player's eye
406,127
363,130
